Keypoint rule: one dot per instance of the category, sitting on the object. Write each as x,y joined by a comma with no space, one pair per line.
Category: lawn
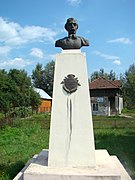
119,142
29,136
21,142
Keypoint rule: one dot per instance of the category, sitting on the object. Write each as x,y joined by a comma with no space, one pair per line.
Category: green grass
129,112
105,122
29,136
1,116
20,143
119,142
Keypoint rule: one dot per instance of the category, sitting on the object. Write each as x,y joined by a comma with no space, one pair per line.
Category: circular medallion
70,83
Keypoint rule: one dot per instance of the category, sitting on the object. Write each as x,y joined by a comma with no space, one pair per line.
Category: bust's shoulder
84,41
58,42
72,42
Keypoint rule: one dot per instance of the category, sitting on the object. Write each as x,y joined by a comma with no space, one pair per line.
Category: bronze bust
72,41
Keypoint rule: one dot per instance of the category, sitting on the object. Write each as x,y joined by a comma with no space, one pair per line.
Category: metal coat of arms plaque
70,83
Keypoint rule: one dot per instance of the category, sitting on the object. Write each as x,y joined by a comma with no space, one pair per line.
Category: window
100,99
95,106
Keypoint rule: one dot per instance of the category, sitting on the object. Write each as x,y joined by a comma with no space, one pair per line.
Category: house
46,101
106,97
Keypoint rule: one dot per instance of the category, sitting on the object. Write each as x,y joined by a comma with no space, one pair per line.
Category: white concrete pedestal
107,168
71,133
72,154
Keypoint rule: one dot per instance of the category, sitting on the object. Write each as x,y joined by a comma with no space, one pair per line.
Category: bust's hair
70,20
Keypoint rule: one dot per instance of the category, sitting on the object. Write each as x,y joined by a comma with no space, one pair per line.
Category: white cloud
15,63
36,52
15,41
115,59
52,56
13,34
8,30
121,40
4,50
74,2
37,33
117,62
106,56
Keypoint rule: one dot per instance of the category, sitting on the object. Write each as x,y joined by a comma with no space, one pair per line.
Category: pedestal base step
107,168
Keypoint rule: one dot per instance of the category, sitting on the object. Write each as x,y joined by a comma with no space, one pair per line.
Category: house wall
45,105
106,106
100,105
107,101
118,104
103,92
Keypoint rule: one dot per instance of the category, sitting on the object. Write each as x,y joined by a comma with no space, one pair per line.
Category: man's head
71,25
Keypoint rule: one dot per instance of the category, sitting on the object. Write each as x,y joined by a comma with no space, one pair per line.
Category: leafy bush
21,112
125,110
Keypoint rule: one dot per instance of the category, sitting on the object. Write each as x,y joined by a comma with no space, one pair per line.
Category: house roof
102,83
42,93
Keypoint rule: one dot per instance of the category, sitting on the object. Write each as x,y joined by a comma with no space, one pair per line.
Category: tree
112,75
128,82
7,90
22,83
43,78
101,73
37,76
35,99
94,75
16,93
49,77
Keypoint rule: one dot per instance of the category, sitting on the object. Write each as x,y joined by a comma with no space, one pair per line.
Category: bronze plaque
70,83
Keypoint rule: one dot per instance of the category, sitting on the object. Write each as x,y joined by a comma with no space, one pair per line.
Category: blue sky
29,29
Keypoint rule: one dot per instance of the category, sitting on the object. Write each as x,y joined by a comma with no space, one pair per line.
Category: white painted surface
71,134
107,168
120,104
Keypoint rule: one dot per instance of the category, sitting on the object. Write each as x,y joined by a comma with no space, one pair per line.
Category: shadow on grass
9,171
121,145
